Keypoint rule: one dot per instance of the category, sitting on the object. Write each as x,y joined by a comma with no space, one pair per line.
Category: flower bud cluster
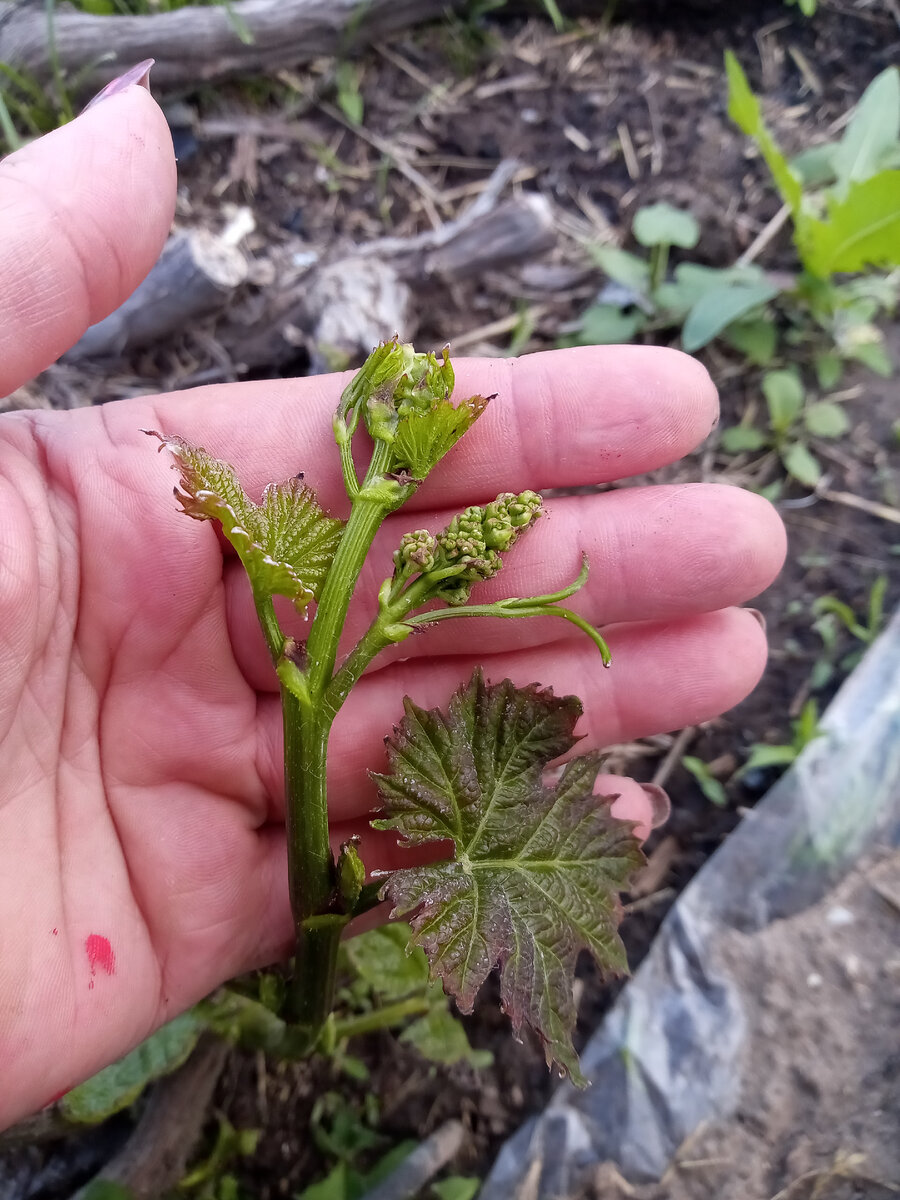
416,555
468,550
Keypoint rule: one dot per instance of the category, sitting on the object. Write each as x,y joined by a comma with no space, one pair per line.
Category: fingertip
770,536
632,802
679,398
128,137
84,214
737,541
736,657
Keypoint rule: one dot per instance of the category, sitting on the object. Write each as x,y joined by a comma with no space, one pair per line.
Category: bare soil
819,1110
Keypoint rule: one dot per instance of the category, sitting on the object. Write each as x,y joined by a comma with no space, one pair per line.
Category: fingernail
754,612
660,804
138,76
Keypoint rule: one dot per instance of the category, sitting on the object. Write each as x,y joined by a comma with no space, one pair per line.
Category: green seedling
534,869
874,618
792,421
346,1181
831,615
105,1189
456,1187
705,302
805,730
711,787
211,1179
844,201
146,8
855,221
30,108
553,11
389,970
347,77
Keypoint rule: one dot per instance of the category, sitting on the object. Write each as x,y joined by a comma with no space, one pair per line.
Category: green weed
804,730
844,200
831,616
792,421
711,787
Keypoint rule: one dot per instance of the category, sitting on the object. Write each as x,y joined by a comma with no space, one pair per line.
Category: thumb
84,213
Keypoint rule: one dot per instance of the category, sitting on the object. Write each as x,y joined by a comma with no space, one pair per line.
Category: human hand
142,856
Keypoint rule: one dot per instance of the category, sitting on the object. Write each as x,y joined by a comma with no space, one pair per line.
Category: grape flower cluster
468,550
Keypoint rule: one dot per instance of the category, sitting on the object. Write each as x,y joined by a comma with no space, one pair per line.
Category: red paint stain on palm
100,955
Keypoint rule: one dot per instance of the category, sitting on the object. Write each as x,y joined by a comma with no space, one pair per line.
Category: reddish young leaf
286,543
536,870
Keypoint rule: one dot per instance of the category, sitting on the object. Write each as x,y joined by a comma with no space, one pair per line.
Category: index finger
561,418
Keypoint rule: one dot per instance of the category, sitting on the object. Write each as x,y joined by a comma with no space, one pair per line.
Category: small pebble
852,966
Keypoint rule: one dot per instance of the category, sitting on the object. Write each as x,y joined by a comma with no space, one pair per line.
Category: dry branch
155,1156
196,274
344,307
335,309
191,44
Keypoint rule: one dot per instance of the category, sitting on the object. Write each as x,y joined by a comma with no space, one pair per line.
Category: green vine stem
307,727
265,611
380,1018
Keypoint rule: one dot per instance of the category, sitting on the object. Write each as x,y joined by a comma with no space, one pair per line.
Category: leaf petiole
554,597
519,608
265,610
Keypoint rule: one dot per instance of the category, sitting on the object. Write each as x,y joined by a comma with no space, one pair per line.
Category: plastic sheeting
667,1057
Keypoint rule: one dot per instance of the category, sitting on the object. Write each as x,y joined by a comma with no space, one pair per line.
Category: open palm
142,855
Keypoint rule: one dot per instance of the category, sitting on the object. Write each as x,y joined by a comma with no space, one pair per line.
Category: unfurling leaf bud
404,399
351,874
425,384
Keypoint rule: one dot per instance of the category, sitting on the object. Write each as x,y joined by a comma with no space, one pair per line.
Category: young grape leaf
286,543
536,869
423,438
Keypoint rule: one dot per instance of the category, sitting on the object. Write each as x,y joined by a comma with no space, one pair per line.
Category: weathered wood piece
195,44
340,309
410,1178
332,309
195,275
155,1156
